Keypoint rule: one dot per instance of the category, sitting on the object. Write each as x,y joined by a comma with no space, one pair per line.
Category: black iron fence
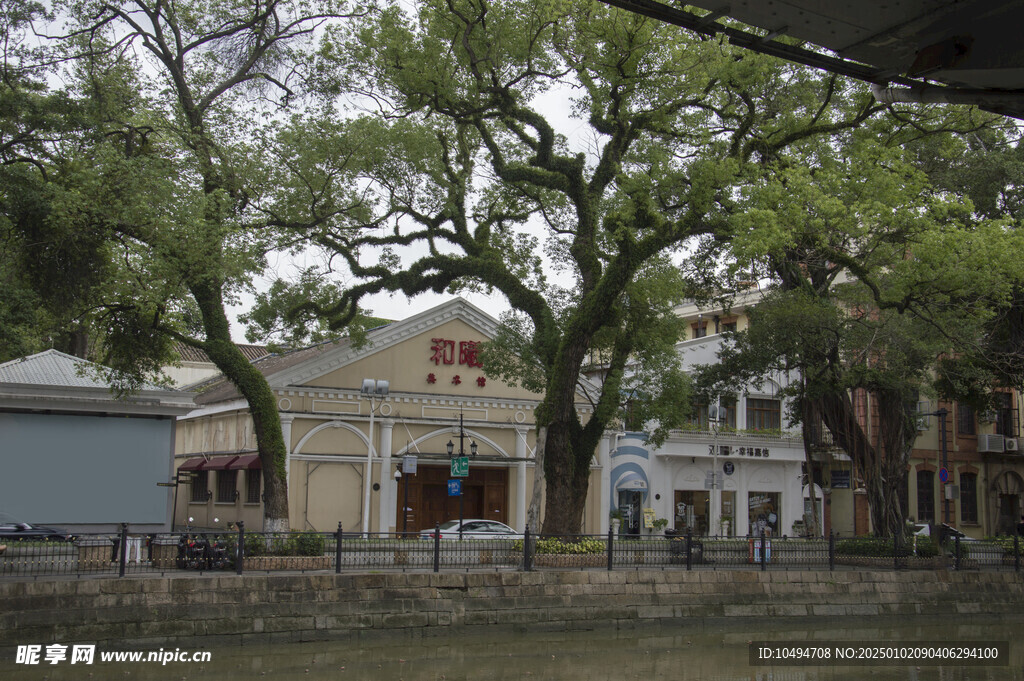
126,554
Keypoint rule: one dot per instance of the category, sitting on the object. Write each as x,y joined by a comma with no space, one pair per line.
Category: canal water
710,653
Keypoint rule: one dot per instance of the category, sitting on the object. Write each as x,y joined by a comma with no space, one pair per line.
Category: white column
520,453
286,434
386,508
604,458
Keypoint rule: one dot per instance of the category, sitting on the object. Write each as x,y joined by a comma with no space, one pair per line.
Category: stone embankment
270,608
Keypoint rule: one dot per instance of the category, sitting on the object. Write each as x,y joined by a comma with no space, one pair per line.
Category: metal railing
125,554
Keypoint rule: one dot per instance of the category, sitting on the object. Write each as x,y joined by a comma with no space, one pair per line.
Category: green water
649,654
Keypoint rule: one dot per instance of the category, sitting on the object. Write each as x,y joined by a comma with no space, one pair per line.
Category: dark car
13,529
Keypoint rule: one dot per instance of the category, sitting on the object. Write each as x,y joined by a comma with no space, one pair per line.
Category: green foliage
566,546
281,544
882,547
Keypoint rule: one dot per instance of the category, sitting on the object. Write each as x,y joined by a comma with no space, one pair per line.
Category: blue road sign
943,475
455,488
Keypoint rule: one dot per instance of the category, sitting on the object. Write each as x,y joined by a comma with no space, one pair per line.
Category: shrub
579,546
306,544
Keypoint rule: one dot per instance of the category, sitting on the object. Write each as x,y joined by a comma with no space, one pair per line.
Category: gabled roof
55,368
54,380
298,368
219,389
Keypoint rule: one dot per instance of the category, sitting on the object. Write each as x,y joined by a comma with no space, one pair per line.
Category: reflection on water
648,654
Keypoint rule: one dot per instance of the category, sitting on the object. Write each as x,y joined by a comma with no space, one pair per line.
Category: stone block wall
268,608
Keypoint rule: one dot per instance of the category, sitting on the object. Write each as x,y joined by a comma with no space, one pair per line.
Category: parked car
12,529
474,528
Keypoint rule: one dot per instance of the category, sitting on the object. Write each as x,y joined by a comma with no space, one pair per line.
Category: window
1006,422
727,418
925,496
227,483
763,414
728,327
968,498
252,486
200,482
965,419
700,329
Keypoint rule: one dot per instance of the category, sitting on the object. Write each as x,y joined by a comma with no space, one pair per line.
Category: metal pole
942,427
405,504
240,548
122,558
527,550
437,547
611,540
831,550
689,550
367,486
337,550
462,453
764,551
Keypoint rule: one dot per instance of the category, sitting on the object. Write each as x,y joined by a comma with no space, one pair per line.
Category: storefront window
728,515
763,509
692,511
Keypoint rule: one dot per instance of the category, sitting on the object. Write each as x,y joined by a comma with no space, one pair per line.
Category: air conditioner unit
1010,444
991,443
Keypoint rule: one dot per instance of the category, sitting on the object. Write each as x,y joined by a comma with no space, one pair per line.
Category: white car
474,528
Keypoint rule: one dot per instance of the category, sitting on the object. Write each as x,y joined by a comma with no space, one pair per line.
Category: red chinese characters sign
443,350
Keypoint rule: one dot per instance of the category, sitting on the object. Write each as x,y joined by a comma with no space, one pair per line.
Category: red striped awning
246,461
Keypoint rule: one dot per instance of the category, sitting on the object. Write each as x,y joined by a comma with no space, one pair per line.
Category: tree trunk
533,512
270,444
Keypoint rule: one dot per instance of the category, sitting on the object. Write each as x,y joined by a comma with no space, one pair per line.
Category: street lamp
942,413
372,389
714,417
405,501
462,452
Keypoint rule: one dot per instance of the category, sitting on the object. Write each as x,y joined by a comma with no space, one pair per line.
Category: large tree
175,173
471,93
877,274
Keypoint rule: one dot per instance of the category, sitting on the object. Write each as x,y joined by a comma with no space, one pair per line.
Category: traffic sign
455,488
943,474
408,465
460,467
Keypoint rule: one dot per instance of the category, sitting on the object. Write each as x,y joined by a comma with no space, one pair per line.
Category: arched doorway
1006,492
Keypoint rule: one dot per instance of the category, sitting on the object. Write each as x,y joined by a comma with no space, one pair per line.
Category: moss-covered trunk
223,352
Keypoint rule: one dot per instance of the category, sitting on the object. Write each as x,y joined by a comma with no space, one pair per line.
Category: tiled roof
53,368
220,389
191,354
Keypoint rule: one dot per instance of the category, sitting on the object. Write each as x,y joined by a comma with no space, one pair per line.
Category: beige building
345,447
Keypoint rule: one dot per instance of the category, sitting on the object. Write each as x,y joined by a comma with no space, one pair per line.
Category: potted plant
616,518
660,524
